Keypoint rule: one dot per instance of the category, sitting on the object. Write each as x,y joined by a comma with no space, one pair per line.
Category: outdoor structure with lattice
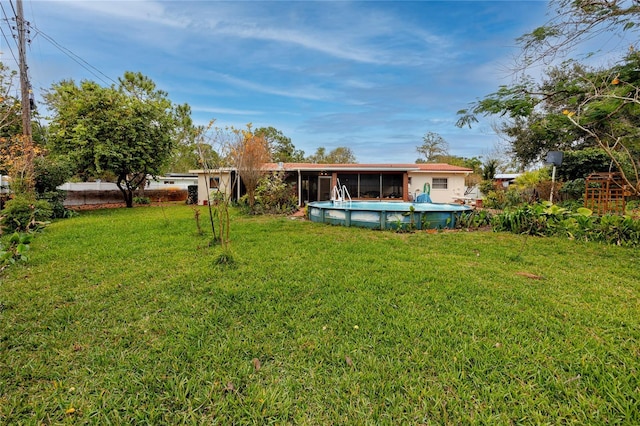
605,193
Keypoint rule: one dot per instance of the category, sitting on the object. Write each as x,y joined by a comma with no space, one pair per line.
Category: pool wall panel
443,215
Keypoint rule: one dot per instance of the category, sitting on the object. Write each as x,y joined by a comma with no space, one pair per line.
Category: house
315,182
505,179
172,181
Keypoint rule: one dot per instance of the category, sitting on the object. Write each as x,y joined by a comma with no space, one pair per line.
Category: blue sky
373,76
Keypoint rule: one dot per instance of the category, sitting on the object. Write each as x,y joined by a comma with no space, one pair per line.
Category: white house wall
171,182
454,191
225,185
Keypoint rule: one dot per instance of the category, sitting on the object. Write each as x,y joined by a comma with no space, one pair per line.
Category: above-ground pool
386,214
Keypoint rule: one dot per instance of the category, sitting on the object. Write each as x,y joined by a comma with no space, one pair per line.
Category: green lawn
122,316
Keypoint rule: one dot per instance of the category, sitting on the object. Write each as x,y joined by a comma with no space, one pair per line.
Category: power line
14,8
4,35
77,59
73,56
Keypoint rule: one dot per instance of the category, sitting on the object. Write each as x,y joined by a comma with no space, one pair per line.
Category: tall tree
473,163
433,146
192,151
339,155
280,146
15,153
10,120
249,154
574,107
319,157
129,130
572,23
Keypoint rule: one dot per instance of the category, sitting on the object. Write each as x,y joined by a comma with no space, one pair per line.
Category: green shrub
618,230
486,186
546,219
570,204
24,214
141,200
56,201
15,250
274,195
496,199
500,198
473,219
573,189
51,172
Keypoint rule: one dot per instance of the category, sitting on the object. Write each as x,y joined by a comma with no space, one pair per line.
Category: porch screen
350,180
369,186
392,186
373,185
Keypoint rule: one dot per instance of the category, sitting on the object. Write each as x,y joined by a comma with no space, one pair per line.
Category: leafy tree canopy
340,155
12,144
573,107
580,164
433,146
192,151
280,146
574,22
129,130
473,163
10,108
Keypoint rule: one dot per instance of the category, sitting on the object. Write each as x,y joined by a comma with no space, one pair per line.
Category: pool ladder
340,193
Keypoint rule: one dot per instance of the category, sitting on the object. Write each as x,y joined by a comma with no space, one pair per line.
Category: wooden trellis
605,193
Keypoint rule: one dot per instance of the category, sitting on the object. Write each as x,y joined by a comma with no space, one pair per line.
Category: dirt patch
85,207
299,213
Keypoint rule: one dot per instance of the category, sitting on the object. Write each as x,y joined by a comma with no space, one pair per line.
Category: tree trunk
127,193
128,198
251,199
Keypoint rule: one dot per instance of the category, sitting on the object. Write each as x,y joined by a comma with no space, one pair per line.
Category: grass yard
122,317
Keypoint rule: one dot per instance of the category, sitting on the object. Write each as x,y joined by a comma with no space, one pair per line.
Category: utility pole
28,152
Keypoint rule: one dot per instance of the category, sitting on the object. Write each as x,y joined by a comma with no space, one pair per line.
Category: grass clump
315,324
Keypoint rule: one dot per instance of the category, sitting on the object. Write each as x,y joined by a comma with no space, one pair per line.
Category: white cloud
321,42
350,31
374,75
228,111
140,10
308,92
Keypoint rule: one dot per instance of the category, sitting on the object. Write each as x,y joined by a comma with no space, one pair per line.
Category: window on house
439,183
214,182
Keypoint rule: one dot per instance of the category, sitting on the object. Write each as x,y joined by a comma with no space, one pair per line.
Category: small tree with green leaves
129,130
